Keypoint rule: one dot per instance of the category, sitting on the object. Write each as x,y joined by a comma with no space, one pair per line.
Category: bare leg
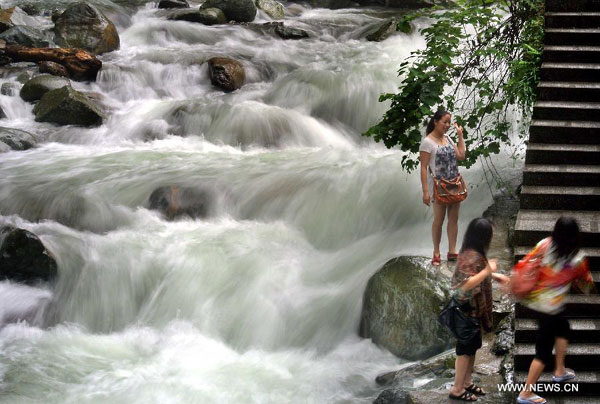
452,227
439,213
560,348
535,370
469,374
461,367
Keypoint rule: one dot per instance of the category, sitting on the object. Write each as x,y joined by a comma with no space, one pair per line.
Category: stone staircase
562,177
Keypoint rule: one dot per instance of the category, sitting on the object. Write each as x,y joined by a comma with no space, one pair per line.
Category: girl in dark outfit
472,284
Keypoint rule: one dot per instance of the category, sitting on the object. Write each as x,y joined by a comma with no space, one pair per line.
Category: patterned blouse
470,263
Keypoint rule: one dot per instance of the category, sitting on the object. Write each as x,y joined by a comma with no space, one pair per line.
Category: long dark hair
436,117
478,236
566,237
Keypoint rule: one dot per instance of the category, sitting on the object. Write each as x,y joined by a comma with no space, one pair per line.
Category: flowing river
259,302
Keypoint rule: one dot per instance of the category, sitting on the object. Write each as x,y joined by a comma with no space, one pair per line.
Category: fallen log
80,65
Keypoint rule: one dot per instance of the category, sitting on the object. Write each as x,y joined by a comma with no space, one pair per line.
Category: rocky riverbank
400,311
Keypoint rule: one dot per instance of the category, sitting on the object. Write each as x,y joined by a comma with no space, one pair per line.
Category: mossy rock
401,305
274,9
66,106
35,88
235,10
207,16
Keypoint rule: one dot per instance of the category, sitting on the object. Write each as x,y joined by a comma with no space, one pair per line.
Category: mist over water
260,301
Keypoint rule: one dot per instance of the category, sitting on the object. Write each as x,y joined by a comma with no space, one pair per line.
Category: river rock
505,336
24,258
83,26
26,36
400,308
13,16
235,10
290,33
226,73
17,139
10,88
333,4
35,88
175,201
273,8
66,106
387,28
53,68
173,4
206,16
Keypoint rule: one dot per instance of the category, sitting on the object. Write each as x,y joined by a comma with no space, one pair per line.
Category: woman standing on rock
438,154
560,264
472,284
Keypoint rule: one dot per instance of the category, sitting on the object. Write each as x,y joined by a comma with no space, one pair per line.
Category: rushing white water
259,302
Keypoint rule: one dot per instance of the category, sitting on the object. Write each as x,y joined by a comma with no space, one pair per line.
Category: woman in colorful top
472,284
439,154
561,265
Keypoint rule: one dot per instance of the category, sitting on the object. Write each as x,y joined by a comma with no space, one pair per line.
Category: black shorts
550,327
470,347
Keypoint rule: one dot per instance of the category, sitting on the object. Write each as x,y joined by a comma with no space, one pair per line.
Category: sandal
436,260
569,375
452,256
531,400
465,396
475,389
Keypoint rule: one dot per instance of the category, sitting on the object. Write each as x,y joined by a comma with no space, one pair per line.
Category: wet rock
24,258
333,4
53,68
13,16
401,305
235,10
273,8
66,106
505,336
26,36
391,397
24,77
4,147
207,16
290,33
384,31
17,139
225,73
10,88
2,113
173,4
83,26
35,88
175,201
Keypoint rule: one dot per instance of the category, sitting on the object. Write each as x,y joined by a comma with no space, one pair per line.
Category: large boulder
26,36
400,308
235,10
66,106
17,139
13,16
274,9
226,73
24,258
175,201
83,26
206,16
35,88
173,4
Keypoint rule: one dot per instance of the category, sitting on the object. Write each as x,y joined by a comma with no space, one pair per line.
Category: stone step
577,306
567,111
553,197
579,356
565,132
572,5
534,225
553,71
560,175
544,153
572,20
592,254
572,36
582,330
588,383
568,91
571,54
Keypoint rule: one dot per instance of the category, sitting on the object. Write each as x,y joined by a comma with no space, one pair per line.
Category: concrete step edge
573,66
569,84
563,147
575,349
562,168
579,324
573,30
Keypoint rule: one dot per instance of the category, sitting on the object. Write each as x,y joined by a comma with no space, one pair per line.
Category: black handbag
462,326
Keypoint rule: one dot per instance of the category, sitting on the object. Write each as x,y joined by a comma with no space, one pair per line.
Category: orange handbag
447,192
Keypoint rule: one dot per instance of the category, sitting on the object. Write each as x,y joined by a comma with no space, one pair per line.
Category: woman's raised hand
459,129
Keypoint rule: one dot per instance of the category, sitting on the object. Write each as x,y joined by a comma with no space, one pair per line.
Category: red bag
526,272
